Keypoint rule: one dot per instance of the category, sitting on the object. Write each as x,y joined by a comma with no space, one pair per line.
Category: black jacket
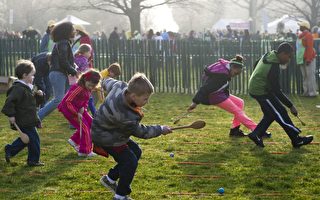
41,64
62,58
21,104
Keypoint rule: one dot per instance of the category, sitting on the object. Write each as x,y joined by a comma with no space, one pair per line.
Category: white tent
73,20
234,24
290,23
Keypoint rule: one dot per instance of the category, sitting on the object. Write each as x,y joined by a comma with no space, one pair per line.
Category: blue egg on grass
221,190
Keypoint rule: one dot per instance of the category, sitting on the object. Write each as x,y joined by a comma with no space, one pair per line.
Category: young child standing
81,59
21,108
117,119
74,107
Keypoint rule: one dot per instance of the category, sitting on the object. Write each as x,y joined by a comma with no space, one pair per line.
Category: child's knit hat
238,60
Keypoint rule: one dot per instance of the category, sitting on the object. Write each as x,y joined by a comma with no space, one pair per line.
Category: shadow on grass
29,181
243,169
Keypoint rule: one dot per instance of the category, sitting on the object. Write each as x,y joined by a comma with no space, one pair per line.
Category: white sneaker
74,145
91,154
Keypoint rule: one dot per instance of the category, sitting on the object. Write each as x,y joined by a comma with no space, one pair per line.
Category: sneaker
106,183
302,141
236,132
258,141
7,153
125,198
266,135
74,145
91,154
35,164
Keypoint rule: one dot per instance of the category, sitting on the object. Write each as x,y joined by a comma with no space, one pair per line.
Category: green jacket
21,104
258,82
265,78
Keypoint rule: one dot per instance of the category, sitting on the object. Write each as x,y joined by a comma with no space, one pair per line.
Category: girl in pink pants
215,91
74,107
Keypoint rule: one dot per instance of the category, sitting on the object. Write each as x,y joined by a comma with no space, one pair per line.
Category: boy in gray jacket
116,120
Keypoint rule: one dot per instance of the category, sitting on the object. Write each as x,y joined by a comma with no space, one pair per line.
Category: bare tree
3,14
308,9
253,7
130,8
195,11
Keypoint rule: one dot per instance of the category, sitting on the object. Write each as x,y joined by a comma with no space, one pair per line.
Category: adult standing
46,44
82,37
114,41
306,59
62,64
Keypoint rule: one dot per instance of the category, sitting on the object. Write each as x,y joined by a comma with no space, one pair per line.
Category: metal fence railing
172,66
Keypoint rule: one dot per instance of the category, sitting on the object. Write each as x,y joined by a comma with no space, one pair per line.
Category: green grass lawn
204,160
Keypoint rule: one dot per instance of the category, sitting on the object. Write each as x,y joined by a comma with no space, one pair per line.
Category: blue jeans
91,106
33,145
59,84
127,163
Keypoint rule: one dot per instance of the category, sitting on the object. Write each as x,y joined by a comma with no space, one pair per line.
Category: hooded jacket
265,78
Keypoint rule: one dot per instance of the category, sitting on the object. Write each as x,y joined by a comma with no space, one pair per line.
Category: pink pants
84,141
235,105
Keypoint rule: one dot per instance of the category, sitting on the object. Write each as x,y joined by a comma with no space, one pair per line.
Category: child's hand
166,130
39,93
12,120
192,106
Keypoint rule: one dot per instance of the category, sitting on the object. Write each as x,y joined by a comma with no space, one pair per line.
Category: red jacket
307,42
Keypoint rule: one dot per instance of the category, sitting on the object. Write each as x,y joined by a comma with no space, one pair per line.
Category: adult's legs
58,81
311,78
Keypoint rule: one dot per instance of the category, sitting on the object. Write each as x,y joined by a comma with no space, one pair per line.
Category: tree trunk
314,16
253,15
135,21
135,15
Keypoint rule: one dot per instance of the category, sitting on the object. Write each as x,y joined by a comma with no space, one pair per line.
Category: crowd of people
66,64
208,35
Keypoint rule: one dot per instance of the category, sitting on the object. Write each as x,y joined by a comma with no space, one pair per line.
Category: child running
264,86
215,91
74,107
117,119
21,109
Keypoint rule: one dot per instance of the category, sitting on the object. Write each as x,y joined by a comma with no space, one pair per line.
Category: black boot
236,132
